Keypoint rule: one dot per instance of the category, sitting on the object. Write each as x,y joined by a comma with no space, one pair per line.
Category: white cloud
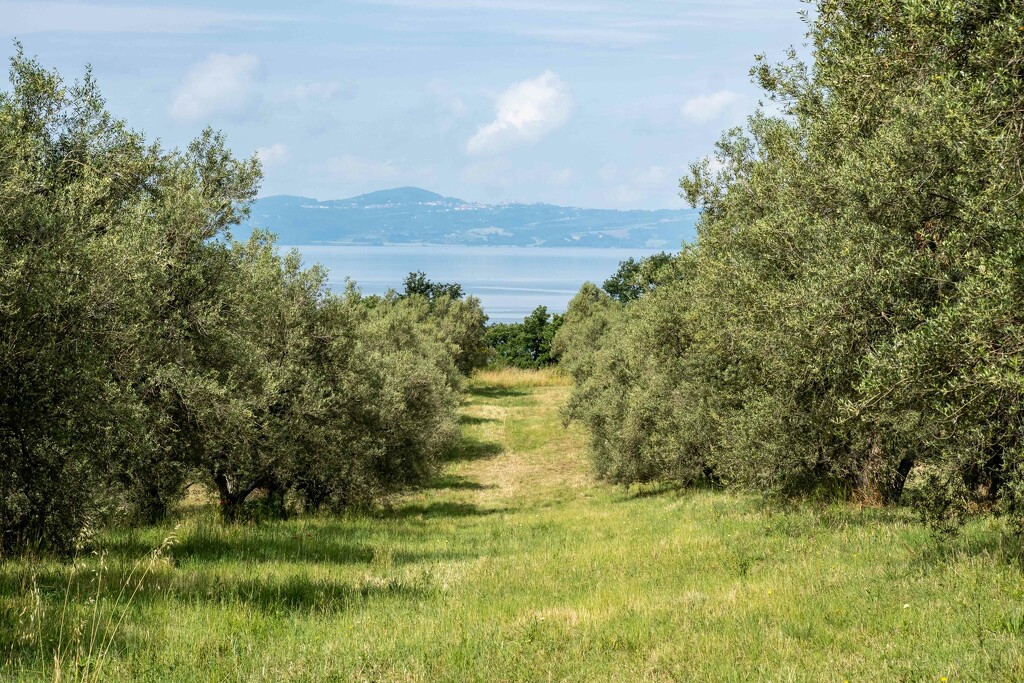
524,113
705,108
272,155
638,187
219,85
625,194
498,172
500,5
348,168
608,172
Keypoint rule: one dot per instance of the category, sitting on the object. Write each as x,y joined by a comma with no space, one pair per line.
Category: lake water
509,281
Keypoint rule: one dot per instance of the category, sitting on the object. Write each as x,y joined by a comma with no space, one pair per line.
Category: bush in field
391,412
458,320
526,344
851,311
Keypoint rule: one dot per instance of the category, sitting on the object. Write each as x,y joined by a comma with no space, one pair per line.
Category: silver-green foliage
851,311
142,348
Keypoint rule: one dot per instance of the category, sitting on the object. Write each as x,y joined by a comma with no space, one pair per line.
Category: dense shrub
458,320
389,411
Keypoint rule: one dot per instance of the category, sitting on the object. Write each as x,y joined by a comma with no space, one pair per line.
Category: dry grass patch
517,412
517,378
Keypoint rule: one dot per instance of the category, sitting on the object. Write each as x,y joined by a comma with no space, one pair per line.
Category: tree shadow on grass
440,509
234,544
473,420
938,550
66,621
329,545
273,575
826,515
471,448
300,593
280,589
654,490
457,483
493,391
299,547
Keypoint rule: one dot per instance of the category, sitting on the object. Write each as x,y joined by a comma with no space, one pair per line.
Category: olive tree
849,316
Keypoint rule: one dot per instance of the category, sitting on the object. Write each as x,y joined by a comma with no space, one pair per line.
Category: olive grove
143,349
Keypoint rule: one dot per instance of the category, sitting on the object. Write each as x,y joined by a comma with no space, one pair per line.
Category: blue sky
596,103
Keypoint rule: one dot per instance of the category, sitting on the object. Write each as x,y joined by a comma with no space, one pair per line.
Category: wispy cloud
524,113
658,176
563,177
704,108
627,21
21,17
498,179
272,155
715,165
689,12
220,85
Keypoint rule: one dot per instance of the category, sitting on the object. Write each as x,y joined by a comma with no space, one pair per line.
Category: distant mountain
410,215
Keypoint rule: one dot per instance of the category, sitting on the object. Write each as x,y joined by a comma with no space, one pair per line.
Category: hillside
409,215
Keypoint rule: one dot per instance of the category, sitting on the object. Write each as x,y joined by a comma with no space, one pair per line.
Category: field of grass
515,566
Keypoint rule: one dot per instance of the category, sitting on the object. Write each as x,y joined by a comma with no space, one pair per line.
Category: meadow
515,565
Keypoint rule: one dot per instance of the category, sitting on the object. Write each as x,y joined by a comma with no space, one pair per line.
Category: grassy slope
516,566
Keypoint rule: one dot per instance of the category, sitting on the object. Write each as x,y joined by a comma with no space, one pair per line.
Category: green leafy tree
635,278
417,284
526,344
53,344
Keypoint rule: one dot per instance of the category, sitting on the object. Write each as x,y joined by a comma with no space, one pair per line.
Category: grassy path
516,566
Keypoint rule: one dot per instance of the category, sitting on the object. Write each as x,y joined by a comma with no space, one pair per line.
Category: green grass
515,565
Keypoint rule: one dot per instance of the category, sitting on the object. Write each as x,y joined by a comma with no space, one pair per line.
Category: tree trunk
231,497
869,477
899,481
